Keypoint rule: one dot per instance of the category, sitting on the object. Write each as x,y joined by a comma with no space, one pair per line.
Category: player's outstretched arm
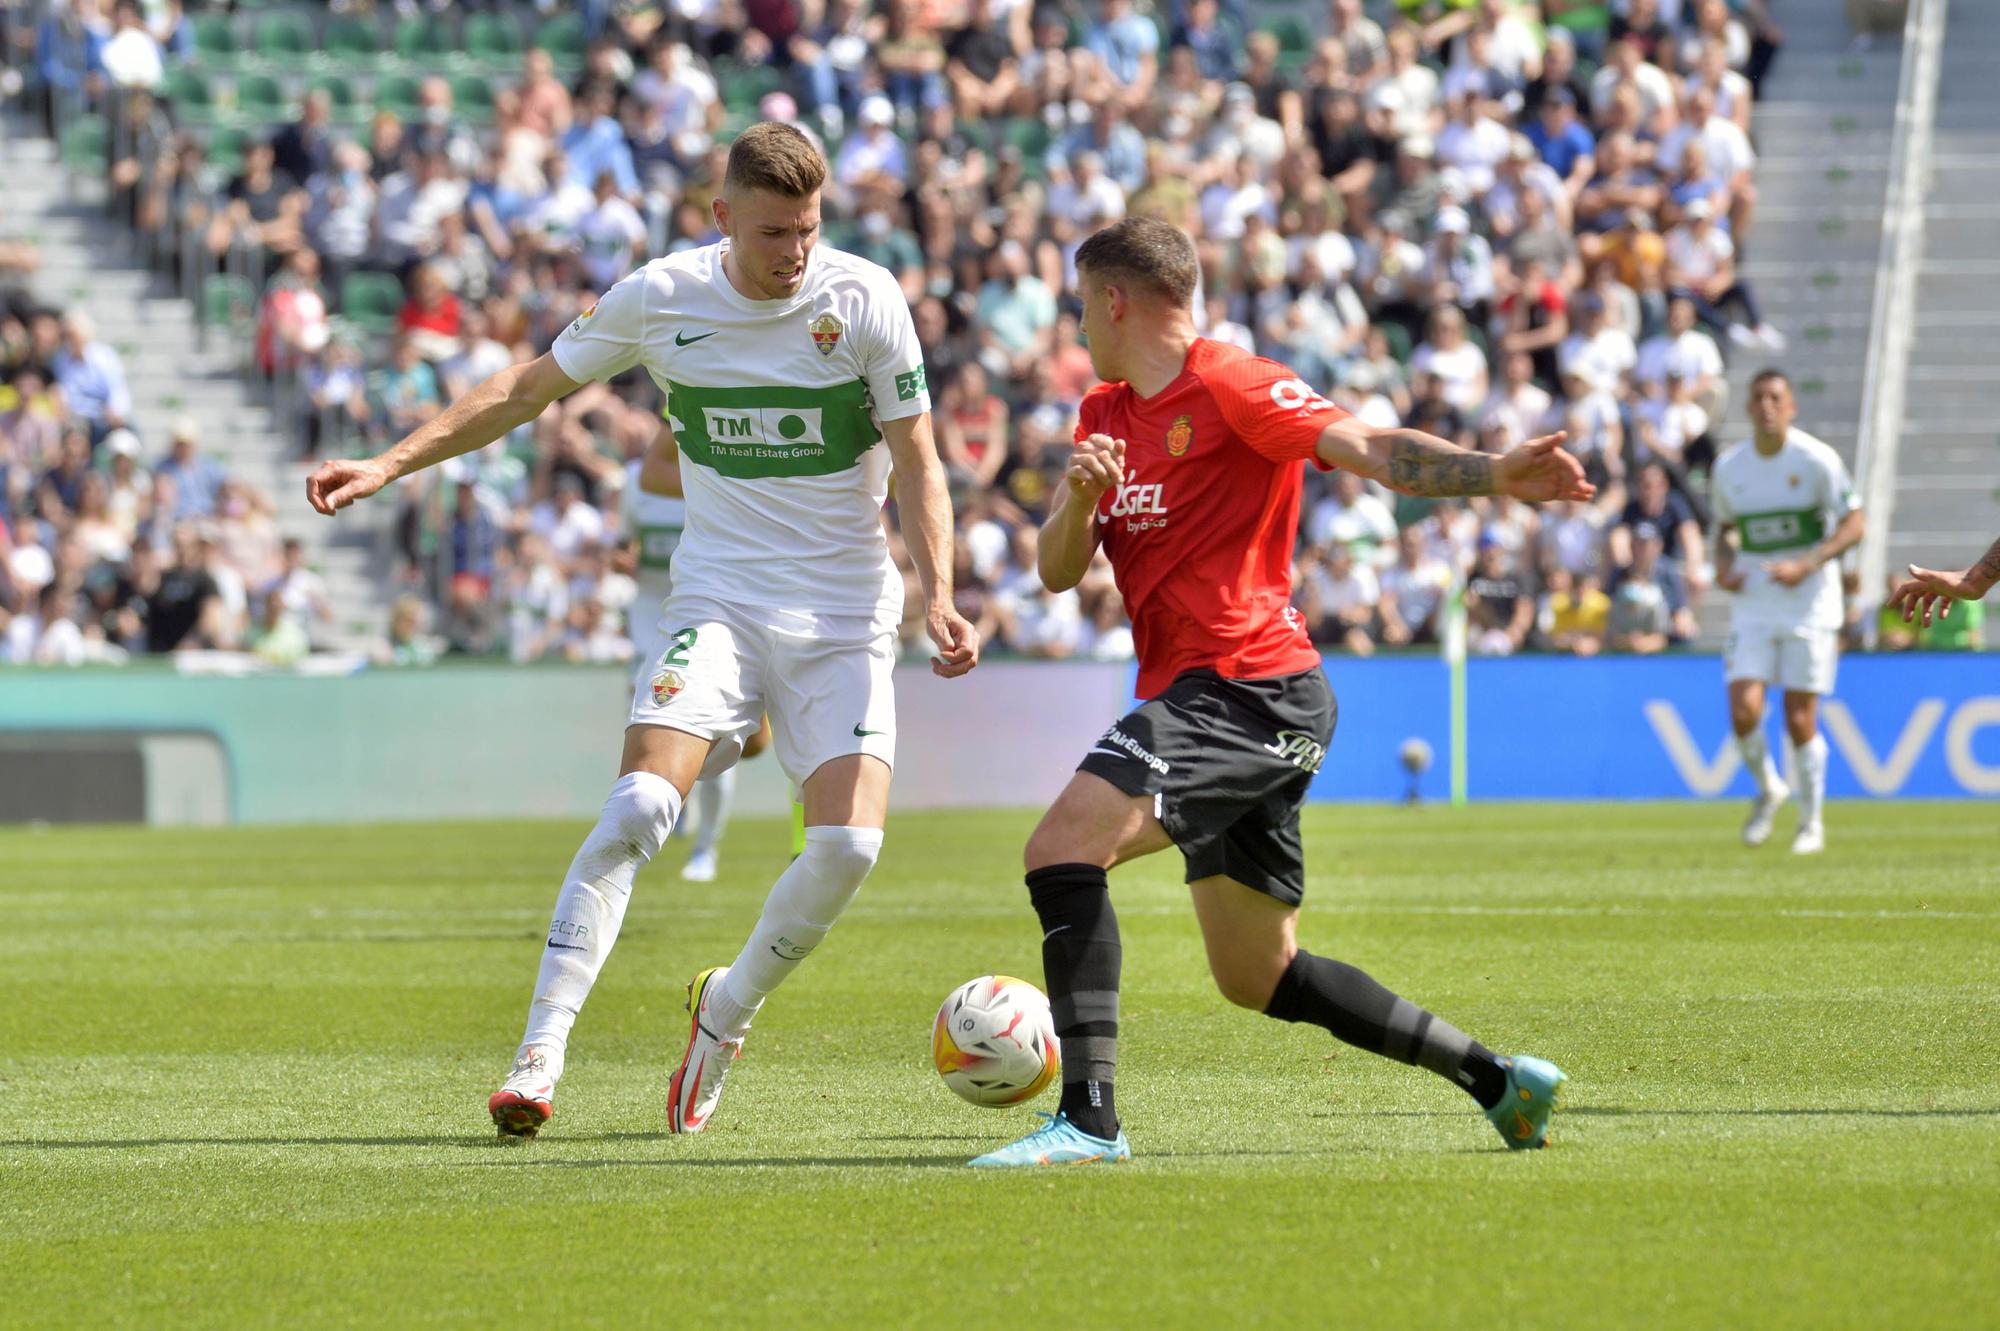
510,398
1932,591
1416,463
1070,536
923,509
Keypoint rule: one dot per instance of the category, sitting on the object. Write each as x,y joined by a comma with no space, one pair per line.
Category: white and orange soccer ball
994,1042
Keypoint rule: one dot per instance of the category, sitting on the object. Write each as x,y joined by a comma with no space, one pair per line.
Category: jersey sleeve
891,357
1273,411
605,340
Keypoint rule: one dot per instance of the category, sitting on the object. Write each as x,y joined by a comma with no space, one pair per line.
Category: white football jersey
1782,506
776,406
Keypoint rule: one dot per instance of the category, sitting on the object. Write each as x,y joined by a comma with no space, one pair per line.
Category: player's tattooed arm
1930,591
1423,464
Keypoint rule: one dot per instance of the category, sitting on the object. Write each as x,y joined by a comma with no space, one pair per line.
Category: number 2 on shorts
677,654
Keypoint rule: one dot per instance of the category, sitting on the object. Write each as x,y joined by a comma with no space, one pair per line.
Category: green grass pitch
245,1075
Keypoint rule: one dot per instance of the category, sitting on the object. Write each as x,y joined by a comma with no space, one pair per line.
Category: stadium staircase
1823,130
91,263
1946,492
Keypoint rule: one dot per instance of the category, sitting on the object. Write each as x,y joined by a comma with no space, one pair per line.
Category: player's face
1772,409
1097,330
770,237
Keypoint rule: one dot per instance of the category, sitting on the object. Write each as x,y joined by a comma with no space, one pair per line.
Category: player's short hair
1142,253
1769,373
775,157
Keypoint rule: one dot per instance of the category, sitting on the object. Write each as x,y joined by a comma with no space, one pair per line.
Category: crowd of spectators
1484,218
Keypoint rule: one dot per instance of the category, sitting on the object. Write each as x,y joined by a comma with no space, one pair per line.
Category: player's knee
837,860
1248,982
640,812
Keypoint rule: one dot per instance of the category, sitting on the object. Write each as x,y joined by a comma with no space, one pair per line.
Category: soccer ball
994,1042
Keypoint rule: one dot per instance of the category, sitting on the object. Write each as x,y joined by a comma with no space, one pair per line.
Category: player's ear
719,206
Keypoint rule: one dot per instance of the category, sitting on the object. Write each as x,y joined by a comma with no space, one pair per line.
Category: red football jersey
1200,533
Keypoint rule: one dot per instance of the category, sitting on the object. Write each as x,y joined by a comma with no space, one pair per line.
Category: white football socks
807,898
1757,760
1809,762
709,803
637,816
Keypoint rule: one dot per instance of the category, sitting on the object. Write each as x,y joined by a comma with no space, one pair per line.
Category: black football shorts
1227,763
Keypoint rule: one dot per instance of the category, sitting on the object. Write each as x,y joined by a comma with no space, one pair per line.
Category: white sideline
1885,380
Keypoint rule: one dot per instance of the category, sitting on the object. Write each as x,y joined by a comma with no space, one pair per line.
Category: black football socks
1362,1013
1080,960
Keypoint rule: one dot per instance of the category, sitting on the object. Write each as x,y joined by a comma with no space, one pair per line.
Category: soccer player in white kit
794,385
1785,511
655,514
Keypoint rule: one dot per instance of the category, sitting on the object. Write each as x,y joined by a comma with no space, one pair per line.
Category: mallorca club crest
667,686
826,331
1180,436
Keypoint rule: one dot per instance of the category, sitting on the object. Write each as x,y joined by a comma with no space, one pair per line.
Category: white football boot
697,1083
1809,840
526,1099
1764,812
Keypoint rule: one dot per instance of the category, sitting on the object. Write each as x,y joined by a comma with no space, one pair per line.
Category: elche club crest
1180,436
667,686
826,331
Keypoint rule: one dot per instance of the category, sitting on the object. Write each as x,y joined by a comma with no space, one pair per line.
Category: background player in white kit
794,382
655,514
1785,511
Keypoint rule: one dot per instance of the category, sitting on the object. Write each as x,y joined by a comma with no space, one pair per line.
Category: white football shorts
1793,657
825,680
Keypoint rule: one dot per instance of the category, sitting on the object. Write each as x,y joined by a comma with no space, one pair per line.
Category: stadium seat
187,94
285,40
397,93
340,92
84,142
261,97
371,300
491,41
563,38
422,43
743,86
472,98
215,42
351,44
226,146
228,302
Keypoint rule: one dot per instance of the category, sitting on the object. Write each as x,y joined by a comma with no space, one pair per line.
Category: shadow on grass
1622,1111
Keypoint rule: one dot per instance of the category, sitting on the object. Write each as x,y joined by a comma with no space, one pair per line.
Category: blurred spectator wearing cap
1414,588
1648,612
1566,145
1340,597
1499,604
1459,265
1701,261
1657,505
873,159
196,479
92,378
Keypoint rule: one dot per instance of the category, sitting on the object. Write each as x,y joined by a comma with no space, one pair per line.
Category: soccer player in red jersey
1188,470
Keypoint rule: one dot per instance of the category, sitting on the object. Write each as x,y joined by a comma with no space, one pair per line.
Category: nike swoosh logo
1053,932
1103,518
1522,1128
569,947
859,733
1115,753
681,340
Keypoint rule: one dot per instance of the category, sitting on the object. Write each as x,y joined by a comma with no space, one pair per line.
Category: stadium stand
1454,214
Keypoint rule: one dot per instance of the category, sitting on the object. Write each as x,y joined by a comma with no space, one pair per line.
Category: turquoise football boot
1522,1116
1058,1142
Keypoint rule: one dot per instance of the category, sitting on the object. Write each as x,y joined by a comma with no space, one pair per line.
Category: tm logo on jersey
765,431
909,385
